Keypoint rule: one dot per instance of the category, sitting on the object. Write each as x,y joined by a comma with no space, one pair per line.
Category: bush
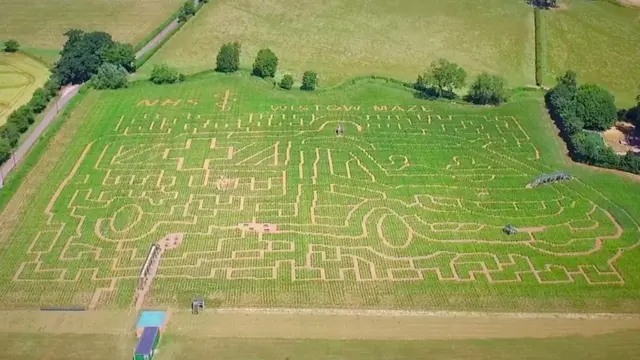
228,59
110,76
11,46
10,132
39,100
487,89
52,86
596,107
163,74
5,150
266,64
188,10
24,112
309,81
286,82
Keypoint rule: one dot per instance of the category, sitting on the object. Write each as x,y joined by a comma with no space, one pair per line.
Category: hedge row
539,38
22,118
584,145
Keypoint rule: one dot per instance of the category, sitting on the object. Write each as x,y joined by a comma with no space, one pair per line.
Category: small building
147,343
197,304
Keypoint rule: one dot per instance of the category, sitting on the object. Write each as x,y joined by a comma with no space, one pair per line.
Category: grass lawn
20,76
598,40
341,39
405,211
621,345
41,24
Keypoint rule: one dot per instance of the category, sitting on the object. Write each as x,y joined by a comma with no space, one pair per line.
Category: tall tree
446,77
82,55
595,106
487,89
266,64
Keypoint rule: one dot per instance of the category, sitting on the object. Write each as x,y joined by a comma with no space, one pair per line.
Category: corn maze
405,195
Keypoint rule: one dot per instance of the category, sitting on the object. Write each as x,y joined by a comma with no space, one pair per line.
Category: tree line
582,112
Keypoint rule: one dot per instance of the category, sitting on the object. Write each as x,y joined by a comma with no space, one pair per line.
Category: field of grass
608,55
341,39
20,76
41,24
404,211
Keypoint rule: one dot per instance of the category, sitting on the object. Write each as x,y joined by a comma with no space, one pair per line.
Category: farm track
329,324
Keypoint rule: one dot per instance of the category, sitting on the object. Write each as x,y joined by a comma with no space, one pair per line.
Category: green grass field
41,24
608,55
20,76
342,39
404,211
622,345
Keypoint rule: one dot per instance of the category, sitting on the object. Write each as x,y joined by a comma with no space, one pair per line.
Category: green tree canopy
309,81
228,59
595,106
286,82
110,76
84,53
188,10
163,74
266,64
11,46
122,55
446,77
487,89
5,149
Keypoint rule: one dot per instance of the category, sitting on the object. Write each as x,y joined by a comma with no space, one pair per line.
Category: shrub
188,10
110,76
52,86
24,112
5,150
38,100
286,82
228,59
596,107
163,74
266,64
11,46
309,81
487,89
10,132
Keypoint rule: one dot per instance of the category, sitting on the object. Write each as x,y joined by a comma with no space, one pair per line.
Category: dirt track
327,324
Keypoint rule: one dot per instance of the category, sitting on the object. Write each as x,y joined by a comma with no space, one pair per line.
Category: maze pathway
277,195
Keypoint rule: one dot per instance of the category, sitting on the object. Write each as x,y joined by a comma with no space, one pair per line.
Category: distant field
20,76
41,24
405,211
600,41
341,39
